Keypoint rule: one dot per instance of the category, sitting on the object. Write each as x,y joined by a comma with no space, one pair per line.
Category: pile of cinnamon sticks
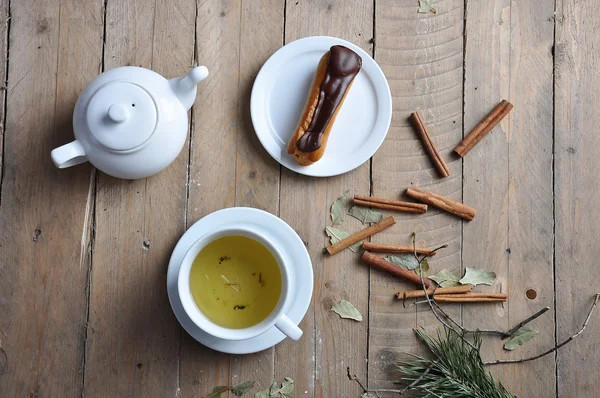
458,294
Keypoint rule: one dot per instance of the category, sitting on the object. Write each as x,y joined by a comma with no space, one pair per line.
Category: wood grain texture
212,170
329,344
486,167
257,173
55,50
133,336
422,58
508,177
577,70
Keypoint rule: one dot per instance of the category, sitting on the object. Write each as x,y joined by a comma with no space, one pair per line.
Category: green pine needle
455,370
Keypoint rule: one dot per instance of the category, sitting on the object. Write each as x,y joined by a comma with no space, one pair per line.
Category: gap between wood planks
89,226
554,199
4,95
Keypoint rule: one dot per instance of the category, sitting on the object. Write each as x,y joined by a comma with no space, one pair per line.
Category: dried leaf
262,394
519,338
476,276
425,7
424,268
339,209
336,235
273,389
446,278
217,391
287,388
346,310
242,389
407,261
365,215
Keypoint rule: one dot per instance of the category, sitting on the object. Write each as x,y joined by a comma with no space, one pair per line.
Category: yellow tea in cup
235,282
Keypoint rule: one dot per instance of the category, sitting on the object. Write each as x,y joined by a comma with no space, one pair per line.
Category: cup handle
288,327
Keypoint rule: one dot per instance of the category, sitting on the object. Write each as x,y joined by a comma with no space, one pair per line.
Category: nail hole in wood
531,294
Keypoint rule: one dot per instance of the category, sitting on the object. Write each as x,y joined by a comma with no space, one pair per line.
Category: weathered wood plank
329,344
422,58
133,337
486,169
508,178
55,49
257,173
212,175
576,187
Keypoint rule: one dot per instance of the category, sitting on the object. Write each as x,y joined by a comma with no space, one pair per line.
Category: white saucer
292,250
279,94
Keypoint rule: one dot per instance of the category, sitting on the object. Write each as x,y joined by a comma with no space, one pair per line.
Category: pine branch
456,369
556,347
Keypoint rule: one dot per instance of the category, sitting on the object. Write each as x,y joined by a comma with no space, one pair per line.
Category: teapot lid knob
118,113
121,116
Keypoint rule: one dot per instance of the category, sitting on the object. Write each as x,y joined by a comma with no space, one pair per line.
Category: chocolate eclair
335,73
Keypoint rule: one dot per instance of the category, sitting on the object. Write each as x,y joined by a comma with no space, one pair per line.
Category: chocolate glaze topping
344,64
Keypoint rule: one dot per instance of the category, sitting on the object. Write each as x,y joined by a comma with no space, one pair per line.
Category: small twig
505,334
429,300
365,390
433,251
587,319
526,321
350,377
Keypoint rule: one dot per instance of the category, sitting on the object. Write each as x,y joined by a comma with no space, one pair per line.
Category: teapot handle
68,155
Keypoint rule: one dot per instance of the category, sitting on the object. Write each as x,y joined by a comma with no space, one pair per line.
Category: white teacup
276,318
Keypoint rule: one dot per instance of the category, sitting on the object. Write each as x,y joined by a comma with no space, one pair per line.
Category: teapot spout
68,155
185,86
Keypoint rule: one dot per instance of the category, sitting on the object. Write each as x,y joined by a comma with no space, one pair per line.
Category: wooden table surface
83,256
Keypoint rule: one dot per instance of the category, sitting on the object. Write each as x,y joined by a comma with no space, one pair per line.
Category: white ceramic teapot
130,122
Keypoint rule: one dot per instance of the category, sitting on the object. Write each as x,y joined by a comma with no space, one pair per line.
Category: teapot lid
121,116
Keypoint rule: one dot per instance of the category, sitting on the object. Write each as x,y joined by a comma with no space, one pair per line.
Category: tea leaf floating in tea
346,310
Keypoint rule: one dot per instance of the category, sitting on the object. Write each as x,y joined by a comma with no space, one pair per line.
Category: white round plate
292,250
279,94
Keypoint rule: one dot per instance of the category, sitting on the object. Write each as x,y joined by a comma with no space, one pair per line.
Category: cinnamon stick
430,291
428,145
484,127
406,206
388,207
384,265
443,203
361,235
451,299
376,247
502,296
